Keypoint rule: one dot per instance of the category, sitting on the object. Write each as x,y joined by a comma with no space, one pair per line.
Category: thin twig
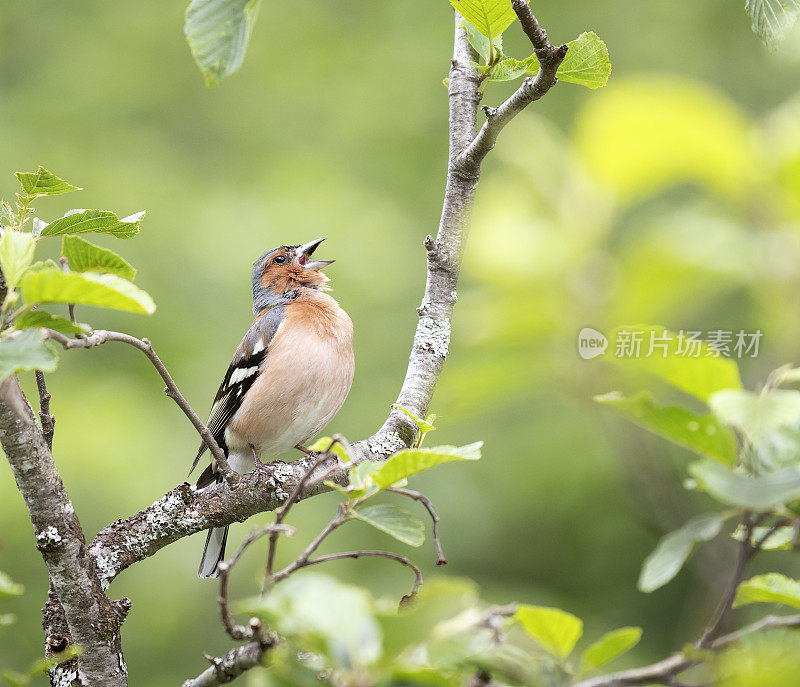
48,421
231,665
239,632
359,554
746,553
425,501
101,336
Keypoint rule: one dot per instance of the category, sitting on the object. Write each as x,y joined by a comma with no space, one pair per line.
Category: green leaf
7,218
16,254
410,461
43,183
738,489
26,350
323,443
83,256
94,221
703,434
670,360
490,17
481,44
772,19
51,285
674,549
610,646
323,616
756,414
587,63
394,521
423,425
33,319
510,68
218,32
769,588
556,630
8,587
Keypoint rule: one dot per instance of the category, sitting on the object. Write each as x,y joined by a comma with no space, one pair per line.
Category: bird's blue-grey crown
264,296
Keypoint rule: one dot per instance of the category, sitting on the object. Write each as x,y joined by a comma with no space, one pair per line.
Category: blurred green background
670,197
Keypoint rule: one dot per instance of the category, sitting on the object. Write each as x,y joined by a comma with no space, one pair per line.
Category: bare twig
47,420
425,501
355,554
677,663
101,336
239,632
283,511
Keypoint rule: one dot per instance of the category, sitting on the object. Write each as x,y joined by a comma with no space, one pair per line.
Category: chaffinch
289,376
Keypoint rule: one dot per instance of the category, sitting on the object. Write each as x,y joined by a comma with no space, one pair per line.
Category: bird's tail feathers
214,552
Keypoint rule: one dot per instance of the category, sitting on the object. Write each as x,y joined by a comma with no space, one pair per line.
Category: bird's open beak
303,253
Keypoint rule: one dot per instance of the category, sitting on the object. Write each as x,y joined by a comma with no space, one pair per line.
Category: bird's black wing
242,372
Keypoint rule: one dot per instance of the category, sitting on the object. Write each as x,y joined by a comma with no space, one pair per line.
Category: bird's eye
279,260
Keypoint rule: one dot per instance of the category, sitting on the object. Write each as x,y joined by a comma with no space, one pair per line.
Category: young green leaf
769,588
7,218
738,489
94,221
486,51
218,32
703,434
586,63
756,414
83,256
16,254
674,549
26,350
35,319
509,69
8,587
43,183
394,521
686,365
51,285
556,630
323,443
610,646
772,19
410,461
490,17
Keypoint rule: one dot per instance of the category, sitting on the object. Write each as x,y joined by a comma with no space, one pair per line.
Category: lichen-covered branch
89,617
231,665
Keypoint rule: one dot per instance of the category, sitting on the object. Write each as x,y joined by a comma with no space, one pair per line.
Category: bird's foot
308,452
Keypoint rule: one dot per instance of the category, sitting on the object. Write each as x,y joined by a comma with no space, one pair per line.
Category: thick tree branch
231,665
101,336
657,673
91,619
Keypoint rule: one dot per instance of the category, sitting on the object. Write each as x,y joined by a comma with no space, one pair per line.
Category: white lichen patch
433,335
48,537
385,444
107,563
68,509
62,677
283,473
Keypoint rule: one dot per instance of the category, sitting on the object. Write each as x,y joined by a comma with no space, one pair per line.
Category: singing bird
289,376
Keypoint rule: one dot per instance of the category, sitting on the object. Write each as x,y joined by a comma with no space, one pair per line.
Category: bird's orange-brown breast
305,379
